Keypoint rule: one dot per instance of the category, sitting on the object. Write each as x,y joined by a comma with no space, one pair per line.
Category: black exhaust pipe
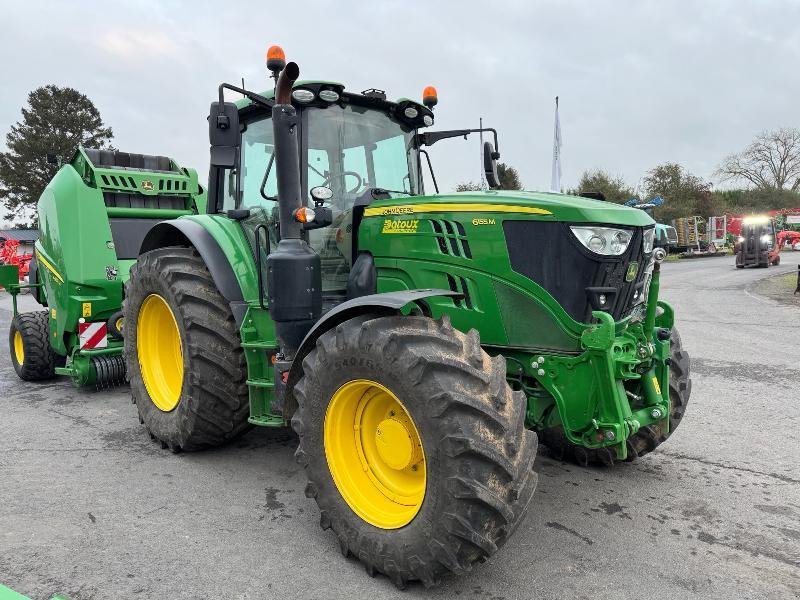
294,278
287,169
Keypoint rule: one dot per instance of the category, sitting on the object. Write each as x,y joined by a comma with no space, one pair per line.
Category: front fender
380,305
186,232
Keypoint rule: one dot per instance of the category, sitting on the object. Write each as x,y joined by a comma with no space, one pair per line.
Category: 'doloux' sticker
403,226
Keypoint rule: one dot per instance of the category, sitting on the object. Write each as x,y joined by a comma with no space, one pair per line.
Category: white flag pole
555,176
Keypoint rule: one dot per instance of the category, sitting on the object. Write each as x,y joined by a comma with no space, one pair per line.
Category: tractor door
350,150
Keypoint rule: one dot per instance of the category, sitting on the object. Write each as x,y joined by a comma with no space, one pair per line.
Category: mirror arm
252,96
430,167
429,138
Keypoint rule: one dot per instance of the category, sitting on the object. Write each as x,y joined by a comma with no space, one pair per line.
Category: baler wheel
31,353
185,363
414,445
646,439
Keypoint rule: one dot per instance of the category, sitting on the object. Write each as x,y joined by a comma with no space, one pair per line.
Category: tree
771,161
684,194
509,178
613,188
55,121
508,175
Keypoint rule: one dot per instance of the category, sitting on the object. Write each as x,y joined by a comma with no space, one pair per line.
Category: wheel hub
395,445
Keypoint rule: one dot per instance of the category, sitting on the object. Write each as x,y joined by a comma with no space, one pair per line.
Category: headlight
649,238
329,95
304,96
607,241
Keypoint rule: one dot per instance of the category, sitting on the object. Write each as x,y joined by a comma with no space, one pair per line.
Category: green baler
93,216
417,342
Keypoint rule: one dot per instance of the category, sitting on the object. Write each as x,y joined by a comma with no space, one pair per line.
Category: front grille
549,254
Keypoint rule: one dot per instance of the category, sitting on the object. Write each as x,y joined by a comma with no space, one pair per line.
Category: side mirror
490,165
223,133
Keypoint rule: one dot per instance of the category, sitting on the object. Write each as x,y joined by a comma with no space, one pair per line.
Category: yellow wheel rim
375,454
19,349
118,323
160,353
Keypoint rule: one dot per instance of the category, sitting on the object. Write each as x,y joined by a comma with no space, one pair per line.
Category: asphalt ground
90,507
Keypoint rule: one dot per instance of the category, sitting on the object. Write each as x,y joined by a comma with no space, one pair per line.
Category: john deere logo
633,269
147,186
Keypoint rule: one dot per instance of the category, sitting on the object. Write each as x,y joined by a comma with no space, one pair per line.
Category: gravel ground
91,508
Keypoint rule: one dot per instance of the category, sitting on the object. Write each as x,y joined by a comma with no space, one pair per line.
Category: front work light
329,95
304,96
606,241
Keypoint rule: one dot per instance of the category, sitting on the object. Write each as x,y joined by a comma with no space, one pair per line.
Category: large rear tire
29,341
185,363
646,439
455,474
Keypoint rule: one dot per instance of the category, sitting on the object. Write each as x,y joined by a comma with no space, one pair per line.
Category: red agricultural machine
10,255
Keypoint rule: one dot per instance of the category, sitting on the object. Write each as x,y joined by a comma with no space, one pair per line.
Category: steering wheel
342,175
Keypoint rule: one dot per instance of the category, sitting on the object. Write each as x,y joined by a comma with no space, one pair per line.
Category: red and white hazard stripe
92,335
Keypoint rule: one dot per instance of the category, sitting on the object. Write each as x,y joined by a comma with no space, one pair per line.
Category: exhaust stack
294,278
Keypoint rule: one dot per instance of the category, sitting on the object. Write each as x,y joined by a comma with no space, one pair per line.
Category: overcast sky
640,82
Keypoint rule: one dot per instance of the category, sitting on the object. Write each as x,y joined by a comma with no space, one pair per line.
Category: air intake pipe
294,279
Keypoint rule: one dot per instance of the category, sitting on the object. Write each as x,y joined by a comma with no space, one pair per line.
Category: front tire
185,363
29,341
459,465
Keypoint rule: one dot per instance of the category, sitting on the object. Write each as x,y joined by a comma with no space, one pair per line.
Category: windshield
352,149
349,150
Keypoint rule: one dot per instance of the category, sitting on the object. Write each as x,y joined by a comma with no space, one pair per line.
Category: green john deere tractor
417,343
93,217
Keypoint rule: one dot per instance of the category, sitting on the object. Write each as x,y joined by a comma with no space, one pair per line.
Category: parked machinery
93,217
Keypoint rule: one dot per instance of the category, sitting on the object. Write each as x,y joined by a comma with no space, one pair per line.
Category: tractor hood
558,207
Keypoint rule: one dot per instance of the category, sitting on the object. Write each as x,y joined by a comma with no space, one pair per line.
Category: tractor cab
353,148
756,245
